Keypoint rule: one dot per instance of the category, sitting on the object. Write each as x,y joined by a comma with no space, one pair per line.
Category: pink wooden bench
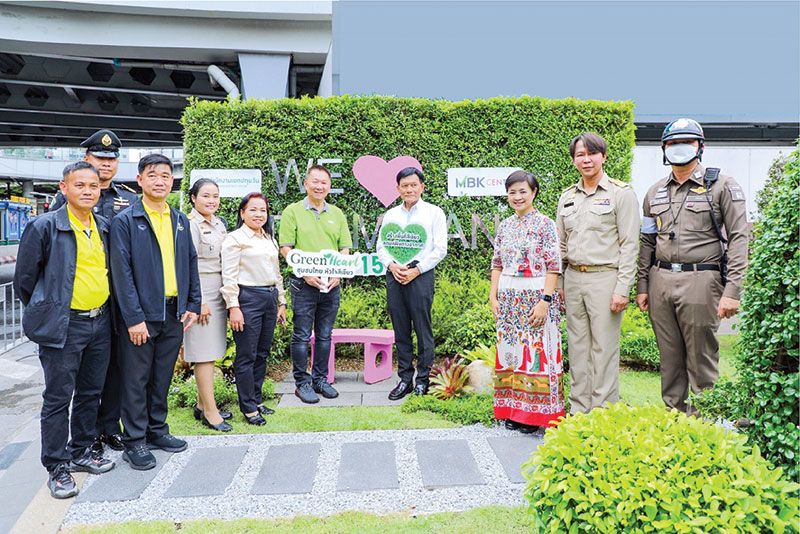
375,342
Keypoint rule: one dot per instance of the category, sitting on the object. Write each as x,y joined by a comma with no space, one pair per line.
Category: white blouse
249,259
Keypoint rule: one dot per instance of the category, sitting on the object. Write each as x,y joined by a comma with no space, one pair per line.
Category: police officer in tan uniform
598,225
691,263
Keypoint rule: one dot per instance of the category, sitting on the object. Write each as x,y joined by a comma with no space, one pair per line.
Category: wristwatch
547,298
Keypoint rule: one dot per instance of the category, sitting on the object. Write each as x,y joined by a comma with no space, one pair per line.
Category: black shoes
167,442
139,457
225,414
61,483
421,389
256,419
91,462
523,429
306,394
401,390
325,389
222,427
263,410
114,441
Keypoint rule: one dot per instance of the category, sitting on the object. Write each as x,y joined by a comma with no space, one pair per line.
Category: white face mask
680,154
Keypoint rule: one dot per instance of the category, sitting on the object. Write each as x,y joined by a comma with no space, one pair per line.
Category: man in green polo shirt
312,225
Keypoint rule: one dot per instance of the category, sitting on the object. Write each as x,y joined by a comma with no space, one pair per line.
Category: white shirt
432,219
249,259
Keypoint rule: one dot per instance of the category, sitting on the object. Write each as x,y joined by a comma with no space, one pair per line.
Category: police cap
683,129
103,144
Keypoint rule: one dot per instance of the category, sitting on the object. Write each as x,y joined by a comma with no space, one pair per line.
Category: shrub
449,379
461,316
638,347
623,469
726,400
483,353
468,409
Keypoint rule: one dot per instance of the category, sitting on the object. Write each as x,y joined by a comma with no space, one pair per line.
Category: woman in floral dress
525,267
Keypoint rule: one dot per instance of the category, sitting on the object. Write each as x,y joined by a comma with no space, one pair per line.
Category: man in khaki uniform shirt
598,225
680,263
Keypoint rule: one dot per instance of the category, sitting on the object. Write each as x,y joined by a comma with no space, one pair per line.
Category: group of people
113,285
690,251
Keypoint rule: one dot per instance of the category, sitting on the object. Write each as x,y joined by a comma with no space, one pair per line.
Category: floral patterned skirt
528,367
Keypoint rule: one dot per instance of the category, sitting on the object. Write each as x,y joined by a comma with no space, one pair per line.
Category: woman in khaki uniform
206,342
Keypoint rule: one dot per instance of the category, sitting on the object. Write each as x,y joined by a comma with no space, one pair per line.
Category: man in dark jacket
157,287
62,279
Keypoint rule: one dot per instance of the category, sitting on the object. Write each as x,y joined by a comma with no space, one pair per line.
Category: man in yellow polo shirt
157,287
62,279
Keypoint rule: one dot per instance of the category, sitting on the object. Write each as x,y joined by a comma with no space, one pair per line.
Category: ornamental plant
449,379
626,469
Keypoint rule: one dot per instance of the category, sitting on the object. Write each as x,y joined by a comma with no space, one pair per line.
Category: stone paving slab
379,398
123,483
368,466
345,398
209,472
447,462
346,381
288,469
513,452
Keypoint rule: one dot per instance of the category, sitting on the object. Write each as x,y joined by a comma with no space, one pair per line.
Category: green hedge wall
528,132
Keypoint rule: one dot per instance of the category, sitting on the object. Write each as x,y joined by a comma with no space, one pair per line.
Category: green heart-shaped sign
403,244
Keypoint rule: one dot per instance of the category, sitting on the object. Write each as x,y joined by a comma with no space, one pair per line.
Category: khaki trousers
593,337
683,310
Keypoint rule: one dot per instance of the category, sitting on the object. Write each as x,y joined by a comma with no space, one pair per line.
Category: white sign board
478,181
328,264
234,183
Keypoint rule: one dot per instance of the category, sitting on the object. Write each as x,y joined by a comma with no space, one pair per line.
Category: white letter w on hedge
291,165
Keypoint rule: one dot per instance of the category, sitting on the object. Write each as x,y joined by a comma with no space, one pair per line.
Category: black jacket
45,274
138,274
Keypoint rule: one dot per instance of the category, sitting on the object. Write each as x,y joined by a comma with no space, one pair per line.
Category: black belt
94,312
680,267
171,300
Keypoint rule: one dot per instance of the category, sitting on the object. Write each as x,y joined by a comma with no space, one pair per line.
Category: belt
171,300
94,312
591,268
680,267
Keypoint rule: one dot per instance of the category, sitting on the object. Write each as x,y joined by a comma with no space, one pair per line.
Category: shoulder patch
736,192
619,183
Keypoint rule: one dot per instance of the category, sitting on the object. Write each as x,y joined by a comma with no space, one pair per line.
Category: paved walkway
352,392
282,475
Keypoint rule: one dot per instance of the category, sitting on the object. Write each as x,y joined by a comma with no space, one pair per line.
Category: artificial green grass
495,519
182,422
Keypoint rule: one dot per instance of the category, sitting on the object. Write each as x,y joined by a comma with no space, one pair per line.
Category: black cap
103,144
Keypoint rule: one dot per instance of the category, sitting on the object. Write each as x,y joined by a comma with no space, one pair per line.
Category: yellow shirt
90,288
162,224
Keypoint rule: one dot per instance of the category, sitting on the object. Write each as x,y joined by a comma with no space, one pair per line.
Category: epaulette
125,187
619,183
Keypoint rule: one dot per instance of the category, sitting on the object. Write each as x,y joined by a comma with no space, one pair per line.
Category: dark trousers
74,373
314,311
110,400
148,372
410,307
259,306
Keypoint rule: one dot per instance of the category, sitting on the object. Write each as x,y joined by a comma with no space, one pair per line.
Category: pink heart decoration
379,177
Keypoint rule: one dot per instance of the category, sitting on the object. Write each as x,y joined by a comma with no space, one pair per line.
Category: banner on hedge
478,181
233,183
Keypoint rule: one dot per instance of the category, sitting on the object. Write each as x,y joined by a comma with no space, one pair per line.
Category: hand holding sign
329,264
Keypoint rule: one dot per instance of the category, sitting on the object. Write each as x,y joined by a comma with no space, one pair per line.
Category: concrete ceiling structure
70,68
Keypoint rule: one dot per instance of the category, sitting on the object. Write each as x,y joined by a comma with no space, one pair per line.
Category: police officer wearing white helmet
692,261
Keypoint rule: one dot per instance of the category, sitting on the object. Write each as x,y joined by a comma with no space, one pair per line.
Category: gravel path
324,499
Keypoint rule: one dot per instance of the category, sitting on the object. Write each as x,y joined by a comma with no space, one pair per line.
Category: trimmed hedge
528,132
624,469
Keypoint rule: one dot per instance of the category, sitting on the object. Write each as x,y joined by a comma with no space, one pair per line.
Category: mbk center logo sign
377,176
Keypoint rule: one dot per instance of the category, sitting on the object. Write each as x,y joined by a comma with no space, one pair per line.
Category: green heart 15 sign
403,243
327,264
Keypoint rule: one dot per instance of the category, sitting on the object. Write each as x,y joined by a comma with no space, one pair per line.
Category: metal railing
11,333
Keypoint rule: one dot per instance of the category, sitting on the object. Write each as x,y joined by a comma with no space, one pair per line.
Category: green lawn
477,521
643,388
182,422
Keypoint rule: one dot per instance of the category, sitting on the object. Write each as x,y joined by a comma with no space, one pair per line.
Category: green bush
638,348
468,409
528,132
461,315
625,469
183,393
